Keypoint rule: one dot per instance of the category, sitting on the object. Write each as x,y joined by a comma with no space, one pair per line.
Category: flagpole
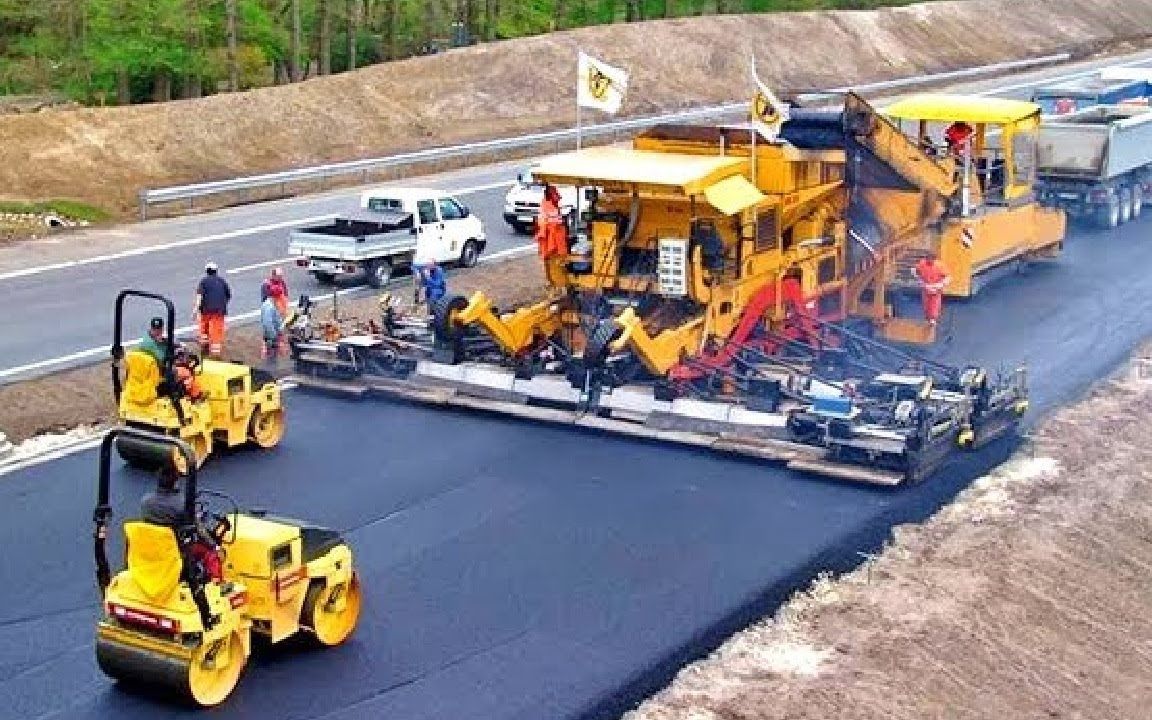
579,123
579,114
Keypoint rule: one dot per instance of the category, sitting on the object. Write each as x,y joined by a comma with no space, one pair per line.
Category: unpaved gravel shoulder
1030,596
83,396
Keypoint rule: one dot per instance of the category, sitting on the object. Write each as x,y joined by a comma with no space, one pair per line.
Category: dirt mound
1029,597
105,156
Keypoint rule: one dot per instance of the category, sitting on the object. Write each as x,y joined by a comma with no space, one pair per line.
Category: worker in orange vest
933,278
551,230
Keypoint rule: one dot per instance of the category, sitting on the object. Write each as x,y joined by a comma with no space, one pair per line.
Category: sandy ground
1029,597
83,396
104,156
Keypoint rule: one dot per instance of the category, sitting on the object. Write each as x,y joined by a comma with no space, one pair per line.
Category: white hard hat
210,266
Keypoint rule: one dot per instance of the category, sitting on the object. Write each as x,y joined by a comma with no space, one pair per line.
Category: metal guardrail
155,196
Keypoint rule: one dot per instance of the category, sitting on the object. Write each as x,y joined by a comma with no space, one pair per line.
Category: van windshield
379,204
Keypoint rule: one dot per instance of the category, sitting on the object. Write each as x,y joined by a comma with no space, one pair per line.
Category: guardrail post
143,205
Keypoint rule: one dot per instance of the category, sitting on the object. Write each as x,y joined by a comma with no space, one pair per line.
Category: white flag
768,113
599,85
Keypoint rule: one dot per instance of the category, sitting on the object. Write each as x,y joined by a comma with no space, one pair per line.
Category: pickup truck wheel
379,273
324,278
470,255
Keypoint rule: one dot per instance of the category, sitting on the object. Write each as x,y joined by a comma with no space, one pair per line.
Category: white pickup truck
395,228
522,203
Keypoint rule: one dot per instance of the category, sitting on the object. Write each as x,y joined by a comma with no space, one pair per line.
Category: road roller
201,401
181,614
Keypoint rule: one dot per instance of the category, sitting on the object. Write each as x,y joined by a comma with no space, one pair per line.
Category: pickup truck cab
394,228
522,203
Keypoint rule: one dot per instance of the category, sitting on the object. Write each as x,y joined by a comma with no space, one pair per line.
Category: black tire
379,272
442,312
596,351
1108,216
470,254
324,278
1125,204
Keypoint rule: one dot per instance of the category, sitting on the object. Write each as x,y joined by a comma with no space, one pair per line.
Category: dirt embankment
1029,597
65,400
104,156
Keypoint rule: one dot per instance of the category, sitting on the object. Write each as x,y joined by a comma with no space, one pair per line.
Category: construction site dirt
105,155
1030,596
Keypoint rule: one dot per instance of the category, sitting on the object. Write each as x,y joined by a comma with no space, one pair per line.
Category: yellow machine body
232,411
275,583
998,219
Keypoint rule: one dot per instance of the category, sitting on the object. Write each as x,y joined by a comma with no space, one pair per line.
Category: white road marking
257,266
510,252
180,331
1062,78
134,252
164,246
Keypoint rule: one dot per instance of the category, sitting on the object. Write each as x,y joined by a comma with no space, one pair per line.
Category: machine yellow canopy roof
690,174
733,194
973,109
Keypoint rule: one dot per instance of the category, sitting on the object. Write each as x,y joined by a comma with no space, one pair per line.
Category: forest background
121,52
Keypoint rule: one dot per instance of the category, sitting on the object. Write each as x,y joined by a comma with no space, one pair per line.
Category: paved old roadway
519,571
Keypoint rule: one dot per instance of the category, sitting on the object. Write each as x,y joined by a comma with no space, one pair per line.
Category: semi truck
1096,164
395,228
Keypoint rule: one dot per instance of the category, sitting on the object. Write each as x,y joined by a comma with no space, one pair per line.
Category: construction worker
551,230
933,277
165,506
276,287
272,325
155,343
210,308
957,136
431,280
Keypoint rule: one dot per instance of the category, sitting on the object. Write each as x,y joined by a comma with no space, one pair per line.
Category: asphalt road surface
60,291
521,571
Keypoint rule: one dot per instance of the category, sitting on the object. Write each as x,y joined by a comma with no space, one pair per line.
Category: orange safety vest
551,233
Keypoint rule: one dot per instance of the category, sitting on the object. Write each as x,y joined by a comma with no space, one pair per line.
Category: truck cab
393,229
1106,89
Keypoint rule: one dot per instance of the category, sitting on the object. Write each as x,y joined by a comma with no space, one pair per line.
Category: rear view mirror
464,211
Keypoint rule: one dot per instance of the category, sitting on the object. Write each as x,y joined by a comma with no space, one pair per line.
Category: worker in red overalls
957,135
551,230
933,277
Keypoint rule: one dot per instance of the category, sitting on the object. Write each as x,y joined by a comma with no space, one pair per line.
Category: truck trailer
1096,164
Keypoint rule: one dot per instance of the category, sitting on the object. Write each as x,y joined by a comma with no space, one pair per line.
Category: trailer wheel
1125,204
1108,216
444,316
596,351
379,273
1137,201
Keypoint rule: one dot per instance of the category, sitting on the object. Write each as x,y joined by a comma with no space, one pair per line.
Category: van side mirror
464,211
